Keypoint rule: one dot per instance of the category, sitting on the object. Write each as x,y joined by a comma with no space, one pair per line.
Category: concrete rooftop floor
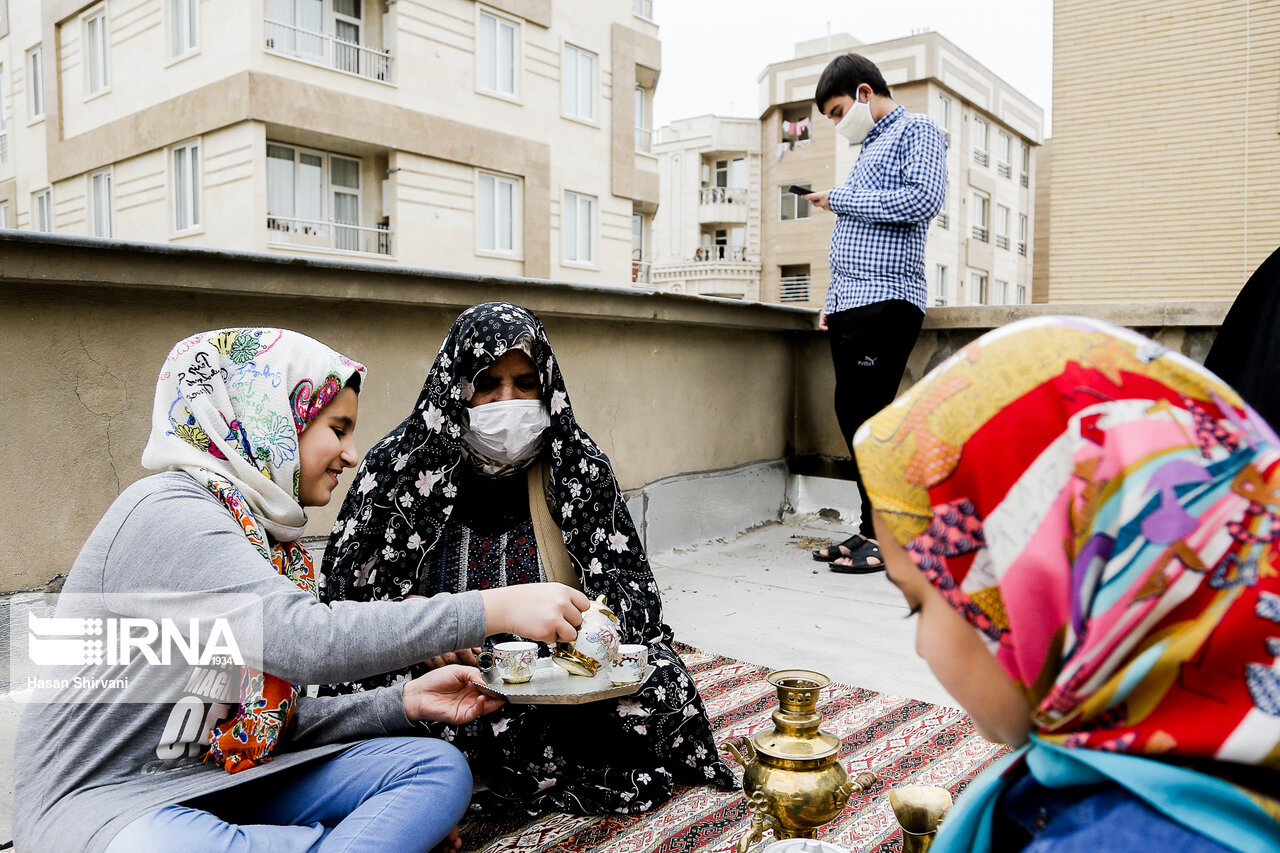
758,597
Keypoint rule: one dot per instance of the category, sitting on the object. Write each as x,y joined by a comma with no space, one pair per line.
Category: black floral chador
420,519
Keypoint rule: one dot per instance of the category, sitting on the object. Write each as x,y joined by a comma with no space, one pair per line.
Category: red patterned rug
903,741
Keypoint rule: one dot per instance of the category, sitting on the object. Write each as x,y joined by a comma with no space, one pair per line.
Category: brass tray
552,685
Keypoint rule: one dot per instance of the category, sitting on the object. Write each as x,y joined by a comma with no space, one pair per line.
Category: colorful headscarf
230,407
1106,514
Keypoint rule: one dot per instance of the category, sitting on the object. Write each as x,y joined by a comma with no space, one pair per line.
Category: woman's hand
447,695
465,657
550,612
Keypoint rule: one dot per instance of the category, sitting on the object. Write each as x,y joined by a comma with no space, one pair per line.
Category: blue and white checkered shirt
883,212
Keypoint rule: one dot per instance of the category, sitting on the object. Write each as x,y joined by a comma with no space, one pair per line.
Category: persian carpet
903,741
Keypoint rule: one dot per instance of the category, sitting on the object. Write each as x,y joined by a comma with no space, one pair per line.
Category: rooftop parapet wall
666,384
669,385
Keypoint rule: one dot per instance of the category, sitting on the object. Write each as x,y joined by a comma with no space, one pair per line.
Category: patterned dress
422,519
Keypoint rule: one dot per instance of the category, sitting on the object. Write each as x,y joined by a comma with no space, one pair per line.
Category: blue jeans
392,793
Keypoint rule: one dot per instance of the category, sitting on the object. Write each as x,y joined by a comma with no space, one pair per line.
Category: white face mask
507,432
857,122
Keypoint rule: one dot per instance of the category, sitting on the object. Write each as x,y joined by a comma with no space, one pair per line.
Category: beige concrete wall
1163,190
666,384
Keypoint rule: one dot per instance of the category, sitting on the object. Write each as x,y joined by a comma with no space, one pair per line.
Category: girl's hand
549,612
448,695
465,657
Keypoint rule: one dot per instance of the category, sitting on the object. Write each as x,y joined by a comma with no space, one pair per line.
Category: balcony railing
640,271
943,219
794,288
1004,169
981,157
1025,179
720,253
1002,241
1022,249
4,145
329,51
644,139
722,195
334,236
980,233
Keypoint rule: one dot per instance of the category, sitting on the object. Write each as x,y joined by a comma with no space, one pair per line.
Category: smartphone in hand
799,190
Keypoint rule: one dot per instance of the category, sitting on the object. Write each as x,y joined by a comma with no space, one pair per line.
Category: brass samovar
793,780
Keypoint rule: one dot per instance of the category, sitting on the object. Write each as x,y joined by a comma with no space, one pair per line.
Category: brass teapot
793,780
919,810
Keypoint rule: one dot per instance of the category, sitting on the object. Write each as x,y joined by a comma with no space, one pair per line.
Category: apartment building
506,137
980,247
707,231
1168,187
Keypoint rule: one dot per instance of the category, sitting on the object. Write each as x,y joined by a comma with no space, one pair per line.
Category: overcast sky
713,51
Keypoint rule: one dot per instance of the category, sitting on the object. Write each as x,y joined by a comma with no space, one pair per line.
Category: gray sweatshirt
83,771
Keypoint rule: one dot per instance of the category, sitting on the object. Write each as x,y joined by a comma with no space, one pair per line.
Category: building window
797,123
944,117
4,215
497,54
184,26
1022,234
1002,293
944,217
95,51
1022,294
578,227
100,203
792,205
186,186
644,134
941,285
643,9
794,283
4,121
1005,154
981,216
315,198
35,82
723,244
640,228
1026,164
497,213
1002,226
298,28
579,83
978,292
42,210
981,138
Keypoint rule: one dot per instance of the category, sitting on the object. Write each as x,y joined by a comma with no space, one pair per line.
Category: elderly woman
1086,525
490,482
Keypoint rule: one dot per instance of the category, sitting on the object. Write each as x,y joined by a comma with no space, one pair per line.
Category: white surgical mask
857,122
506,433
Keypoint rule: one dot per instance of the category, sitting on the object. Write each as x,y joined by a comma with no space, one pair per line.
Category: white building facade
506,138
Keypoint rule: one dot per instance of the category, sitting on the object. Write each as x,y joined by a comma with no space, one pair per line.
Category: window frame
517,50
796,201
1001,292
1020,294
941,295
102,63
195,172
1024,225
4,214
190,16
981,153
4,120
574,197
980,225
517,200
34,83
945,101
1004,156
568,50
91,193
42,200
980,281
1004,219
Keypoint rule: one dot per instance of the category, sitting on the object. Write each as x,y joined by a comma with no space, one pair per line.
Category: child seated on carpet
249,427
1085,525
491,482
